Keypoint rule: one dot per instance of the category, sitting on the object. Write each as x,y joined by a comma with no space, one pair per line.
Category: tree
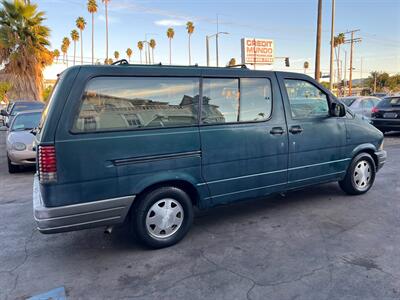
64,48
75,38
190,30
81,24
4,88
170,35
56,54
337,41
24,52
108,61
306,65
152,44
129,53
116,55
232,62
106,10
140,47
92,9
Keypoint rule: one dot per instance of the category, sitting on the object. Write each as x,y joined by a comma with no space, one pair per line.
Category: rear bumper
381,156
78,216
386,124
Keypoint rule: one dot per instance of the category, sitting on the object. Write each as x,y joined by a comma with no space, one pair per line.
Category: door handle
277,130
295,129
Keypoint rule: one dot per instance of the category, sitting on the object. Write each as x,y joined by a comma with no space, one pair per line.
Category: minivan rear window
120,103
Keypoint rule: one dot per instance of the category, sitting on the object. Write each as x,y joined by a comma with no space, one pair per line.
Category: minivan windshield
26,121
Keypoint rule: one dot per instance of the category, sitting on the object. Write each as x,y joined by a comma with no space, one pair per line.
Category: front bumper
25,157
78,216
381,157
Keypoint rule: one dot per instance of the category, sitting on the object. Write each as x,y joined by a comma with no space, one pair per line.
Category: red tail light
47,164
374,110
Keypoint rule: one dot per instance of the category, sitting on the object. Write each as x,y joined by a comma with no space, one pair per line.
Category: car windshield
26,121
18,107
348,100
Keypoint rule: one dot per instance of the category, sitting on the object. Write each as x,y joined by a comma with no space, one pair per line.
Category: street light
216,46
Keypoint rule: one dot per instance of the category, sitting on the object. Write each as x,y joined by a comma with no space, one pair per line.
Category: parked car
361,105
20,140
380,95
152,142
19,106
386,115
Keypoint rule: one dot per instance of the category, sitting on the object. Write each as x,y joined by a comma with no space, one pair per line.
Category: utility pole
352,41
318,44
207,51
361,74
332,47
345,72
216,43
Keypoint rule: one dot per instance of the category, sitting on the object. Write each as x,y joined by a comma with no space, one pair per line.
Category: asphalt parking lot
312,244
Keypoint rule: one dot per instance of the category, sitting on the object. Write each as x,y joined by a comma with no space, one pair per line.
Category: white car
20,140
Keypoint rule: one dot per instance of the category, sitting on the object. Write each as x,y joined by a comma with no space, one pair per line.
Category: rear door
243,137
316,139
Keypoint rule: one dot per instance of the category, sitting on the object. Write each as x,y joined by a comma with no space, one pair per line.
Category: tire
360,175
12,168
170,225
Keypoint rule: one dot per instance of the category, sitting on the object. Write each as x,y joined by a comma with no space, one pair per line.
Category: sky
290,23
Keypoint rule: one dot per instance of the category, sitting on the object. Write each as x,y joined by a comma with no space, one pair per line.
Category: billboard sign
257,51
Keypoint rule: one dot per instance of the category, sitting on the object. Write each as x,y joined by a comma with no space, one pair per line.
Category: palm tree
92,8
337,41
129,53
108,61
140,47
56,54
64,50
116,55
65,44
81,24
75,38
23,48
232,62
106,10
190,30
170,35
152,44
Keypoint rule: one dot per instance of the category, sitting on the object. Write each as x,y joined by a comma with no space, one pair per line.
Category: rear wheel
12,168
162,217
360,175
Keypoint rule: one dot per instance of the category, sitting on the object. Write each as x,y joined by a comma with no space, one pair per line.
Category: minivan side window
231,100
306,100
120,103
220,100
255,99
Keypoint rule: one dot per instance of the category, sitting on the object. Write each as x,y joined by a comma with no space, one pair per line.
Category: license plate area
390,115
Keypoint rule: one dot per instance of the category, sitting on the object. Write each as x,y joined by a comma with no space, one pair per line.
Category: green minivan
146,144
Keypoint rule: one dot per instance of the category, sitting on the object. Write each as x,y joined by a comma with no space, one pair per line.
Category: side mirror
338,109
4,113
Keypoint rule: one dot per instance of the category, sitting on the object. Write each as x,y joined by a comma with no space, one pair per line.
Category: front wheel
162,217
360,175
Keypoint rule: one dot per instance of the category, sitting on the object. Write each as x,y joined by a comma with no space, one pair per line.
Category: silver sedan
361,105
20,140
